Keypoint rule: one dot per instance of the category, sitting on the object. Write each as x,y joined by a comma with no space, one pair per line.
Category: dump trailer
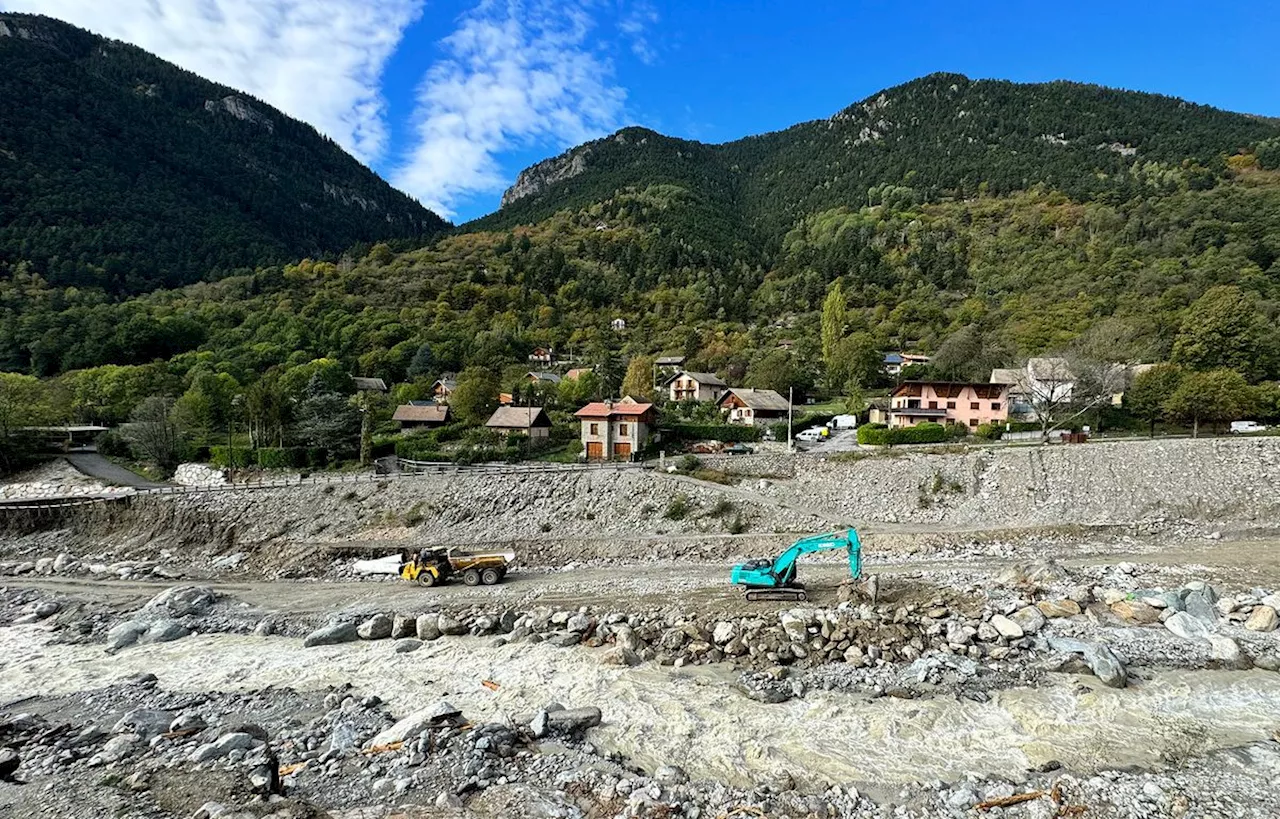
775,579
432,566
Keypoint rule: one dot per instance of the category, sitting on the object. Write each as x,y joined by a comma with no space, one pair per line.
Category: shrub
112,444
711,432
274,458
880,435
988,432
737,526
678,508
958,431
237,457
722,507
688,463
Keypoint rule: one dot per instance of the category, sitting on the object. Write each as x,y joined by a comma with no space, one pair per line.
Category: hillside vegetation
122,172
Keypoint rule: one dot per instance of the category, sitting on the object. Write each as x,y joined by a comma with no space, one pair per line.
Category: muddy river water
697,719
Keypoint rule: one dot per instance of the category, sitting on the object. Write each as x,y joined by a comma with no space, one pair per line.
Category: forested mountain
122,172
944,136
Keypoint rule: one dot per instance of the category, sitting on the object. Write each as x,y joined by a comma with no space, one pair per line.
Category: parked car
738,449
813,435
1245,427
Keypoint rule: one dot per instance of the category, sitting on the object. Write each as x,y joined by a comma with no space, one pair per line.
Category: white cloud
318,60
635,24
515,74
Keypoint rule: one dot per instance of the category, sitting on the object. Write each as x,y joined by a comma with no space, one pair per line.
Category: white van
1245,427
813,434
845,422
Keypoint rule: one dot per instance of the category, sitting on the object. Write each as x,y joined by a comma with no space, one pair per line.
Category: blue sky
449,100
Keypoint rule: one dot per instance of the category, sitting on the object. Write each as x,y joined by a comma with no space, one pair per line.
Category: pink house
947,402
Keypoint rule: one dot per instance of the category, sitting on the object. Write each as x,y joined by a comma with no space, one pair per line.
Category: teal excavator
776,579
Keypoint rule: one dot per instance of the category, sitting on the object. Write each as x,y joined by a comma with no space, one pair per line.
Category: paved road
96,466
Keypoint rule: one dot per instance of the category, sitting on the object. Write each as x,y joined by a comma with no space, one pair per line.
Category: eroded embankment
698,720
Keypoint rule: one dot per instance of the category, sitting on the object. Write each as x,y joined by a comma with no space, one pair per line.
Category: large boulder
1029,618
564,721
146,722
1058,608
451,625
125,634
1106,666
428,627
1006,627
377,627
1135,611
183,601
331,634
1227,651
1262,618
404,626
437,714
1187,627
1200,605
164,631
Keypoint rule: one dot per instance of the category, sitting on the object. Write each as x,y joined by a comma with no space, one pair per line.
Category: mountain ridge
127,172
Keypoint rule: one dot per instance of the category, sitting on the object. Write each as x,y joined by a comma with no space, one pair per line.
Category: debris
490,684
1006,801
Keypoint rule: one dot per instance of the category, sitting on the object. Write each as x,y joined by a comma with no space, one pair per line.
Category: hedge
271,457
712,432
224,456
880,435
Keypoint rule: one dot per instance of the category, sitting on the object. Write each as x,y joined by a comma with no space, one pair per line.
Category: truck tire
490,576
471,577
426,579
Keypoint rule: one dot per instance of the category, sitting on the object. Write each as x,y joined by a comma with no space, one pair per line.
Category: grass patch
736,526
678,508
722,507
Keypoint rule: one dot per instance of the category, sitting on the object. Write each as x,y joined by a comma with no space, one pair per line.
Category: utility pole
791,402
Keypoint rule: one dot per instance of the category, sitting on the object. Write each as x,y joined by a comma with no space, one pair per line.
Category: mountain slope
943,135
121,171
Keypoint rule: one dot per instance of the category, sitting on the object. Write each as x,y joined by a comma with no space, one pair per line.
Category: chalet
546,378
687,386
948,402
618,325
369,384
421,414
542,355
895,363
750,407
616,429
665,366
442,389
531,421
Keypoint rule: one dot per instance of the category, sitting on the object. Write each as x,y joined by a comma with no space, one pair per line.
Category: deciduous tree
1148,396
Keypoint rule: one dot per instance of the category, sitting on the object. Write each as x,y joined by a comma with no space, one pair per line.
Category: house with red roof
616,429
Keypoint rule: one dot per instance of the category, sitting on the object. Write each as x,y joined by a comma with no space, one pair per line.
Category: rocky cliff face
537,178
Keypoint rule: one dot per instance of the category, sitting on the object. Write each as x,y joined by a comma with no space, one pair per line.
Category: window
933,405
913,403
951,405
595,429
995,406
973,405
973,422
622,430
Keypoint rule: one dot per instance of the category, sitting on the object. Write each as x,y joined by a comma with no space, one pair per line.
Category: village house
542,355
687,386
421,415
947,402
577,372
369,384
530,421
1044,382
537,377
665,366
442,389
616,429
894,363
751,407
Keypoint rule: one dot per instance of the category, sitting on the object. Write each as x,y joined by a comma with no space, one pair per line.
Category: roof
518,418
669,360
421,413
578,372
544,376
759,399
1006,376
376,384
449,384
608,409
892,358
1050,369
707,379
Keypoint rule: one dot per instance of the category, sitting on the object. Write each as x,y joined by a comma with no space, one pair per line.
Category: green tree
328,419
25,401
779,371
476,396
835,317
1148,397
638,382
1223,328
153,433
857,359
423,364
574,392
1266,399
1213,396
